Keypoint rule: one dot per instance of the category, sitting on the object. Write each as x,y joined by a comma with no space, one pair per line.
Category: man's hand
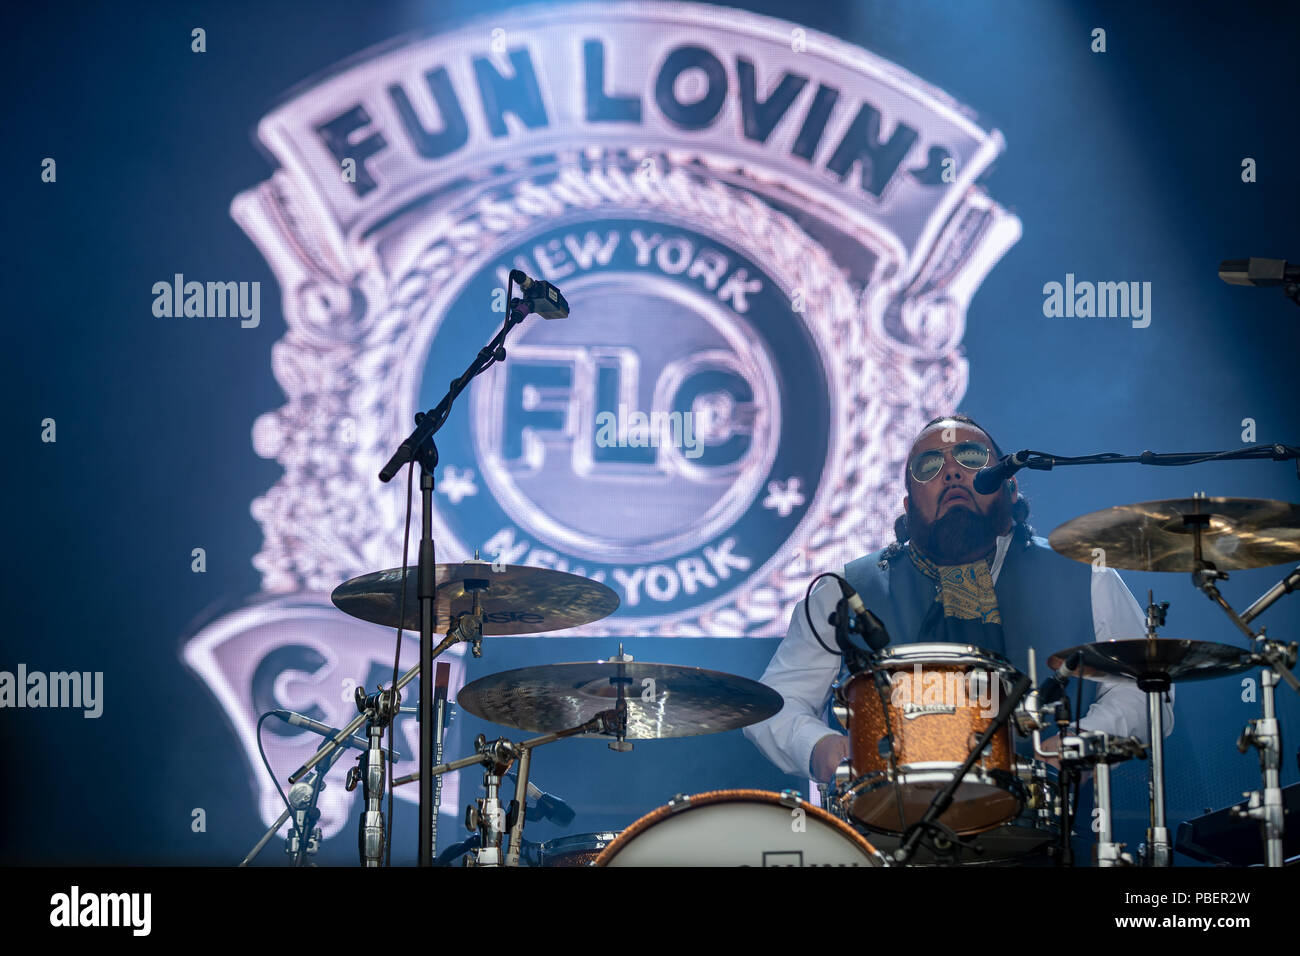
828,753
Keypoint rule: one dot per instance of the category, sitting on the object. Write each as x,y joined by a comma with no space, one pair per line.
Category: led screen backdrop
787,238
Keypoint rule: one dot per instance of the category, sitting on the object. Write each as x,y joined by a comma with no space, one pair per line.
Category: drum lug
843,774
791,798
679,802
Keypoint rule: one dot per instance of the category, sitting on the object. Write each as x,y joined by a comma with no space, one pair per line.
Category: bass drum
740,828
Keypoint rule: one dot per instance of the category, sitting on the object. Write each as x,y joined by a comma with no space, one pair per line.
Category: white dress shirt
802,672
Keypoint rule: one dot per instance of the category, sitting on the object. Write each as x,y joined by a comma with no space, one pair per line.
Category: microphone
1055,685
551,807
316,727
541,297
990,477
862,620
1258,272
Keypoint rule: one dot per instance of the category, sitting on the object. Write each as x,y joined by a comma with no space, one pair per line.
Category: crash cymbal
1125,662
1237,533
515,599
663,700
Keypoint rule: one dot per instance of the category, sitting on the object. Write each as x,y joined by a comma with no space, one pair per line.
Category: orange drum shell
942,738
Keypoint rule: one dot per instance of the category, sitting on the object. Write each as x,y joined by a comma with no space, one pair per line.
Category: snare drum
740,828
912,722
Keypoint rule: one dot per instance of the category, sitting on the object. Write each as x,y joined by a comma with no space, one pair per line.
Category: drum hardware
487,816
1206,537
1265,735
943,799
473,598
371,771
441,679
304,836
419,446
1223,838
1097,750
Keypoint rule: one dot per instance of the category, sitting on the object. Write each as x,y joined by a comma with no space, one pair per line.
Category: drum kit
948,789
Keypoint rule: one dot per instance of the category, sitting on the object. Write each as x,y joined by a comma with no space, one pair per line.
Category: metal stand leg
521,807
1159,849
1266,736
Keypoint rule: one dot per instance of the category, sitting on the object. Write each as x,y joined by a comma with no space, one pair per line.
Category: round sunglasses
968,454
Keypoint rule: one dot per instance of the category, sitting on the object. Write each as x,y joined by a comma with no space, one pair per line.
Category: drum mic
989,478
547,806
541,297
316,727
861,620
1055,685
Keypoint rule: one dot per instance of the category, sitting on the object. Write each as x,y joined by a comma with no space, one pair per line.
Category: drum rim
946,652
711,797
1008,783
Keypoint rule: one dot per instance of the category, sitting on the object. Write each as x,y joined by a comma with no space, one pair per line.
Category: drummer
966,568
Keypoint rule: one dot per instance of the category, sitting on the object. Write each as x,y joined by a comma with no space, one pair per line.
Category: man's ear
907,501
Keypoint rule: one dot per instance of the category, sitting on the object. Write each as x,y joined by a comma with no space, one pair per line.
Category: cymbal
1124,662
515,599
1238,533
681,701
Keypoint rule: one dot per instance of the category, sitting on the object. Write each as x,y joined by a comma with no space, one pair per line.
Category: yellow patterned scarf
965,590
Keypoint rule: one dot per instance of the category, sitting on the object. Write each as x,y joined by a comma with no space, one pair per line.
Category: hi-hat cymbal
663,700
1237,533
515,599
1126,662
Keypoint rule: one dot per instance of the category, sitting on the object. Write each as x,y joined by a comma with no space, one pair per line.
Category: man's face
947,518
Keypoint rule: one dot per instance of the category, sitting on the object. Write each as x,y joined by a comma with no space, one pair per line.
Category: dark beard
957,535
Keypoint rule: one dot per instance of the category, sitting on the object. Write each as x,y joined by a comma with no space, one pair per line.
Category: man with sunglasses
966,569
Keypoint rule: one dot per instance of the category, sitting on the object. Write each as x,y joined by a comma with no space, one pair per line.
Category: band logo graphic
767,267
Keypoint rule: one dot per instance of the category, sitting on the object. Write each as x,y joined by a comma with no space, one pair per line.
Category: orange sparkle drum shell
937,701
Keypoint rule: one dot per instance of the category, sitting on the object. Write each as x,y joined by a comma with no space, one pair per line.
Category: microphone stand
419,446
331,752
943,799
1042,461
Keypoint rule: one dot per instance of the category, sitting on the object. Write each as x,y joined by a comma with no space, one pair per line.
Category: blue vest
1045,601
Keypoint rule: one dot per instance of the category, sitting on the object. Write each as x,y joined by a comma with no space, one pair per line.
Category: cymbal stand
1263,733
1094,749
1158,849
371,771
486,815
